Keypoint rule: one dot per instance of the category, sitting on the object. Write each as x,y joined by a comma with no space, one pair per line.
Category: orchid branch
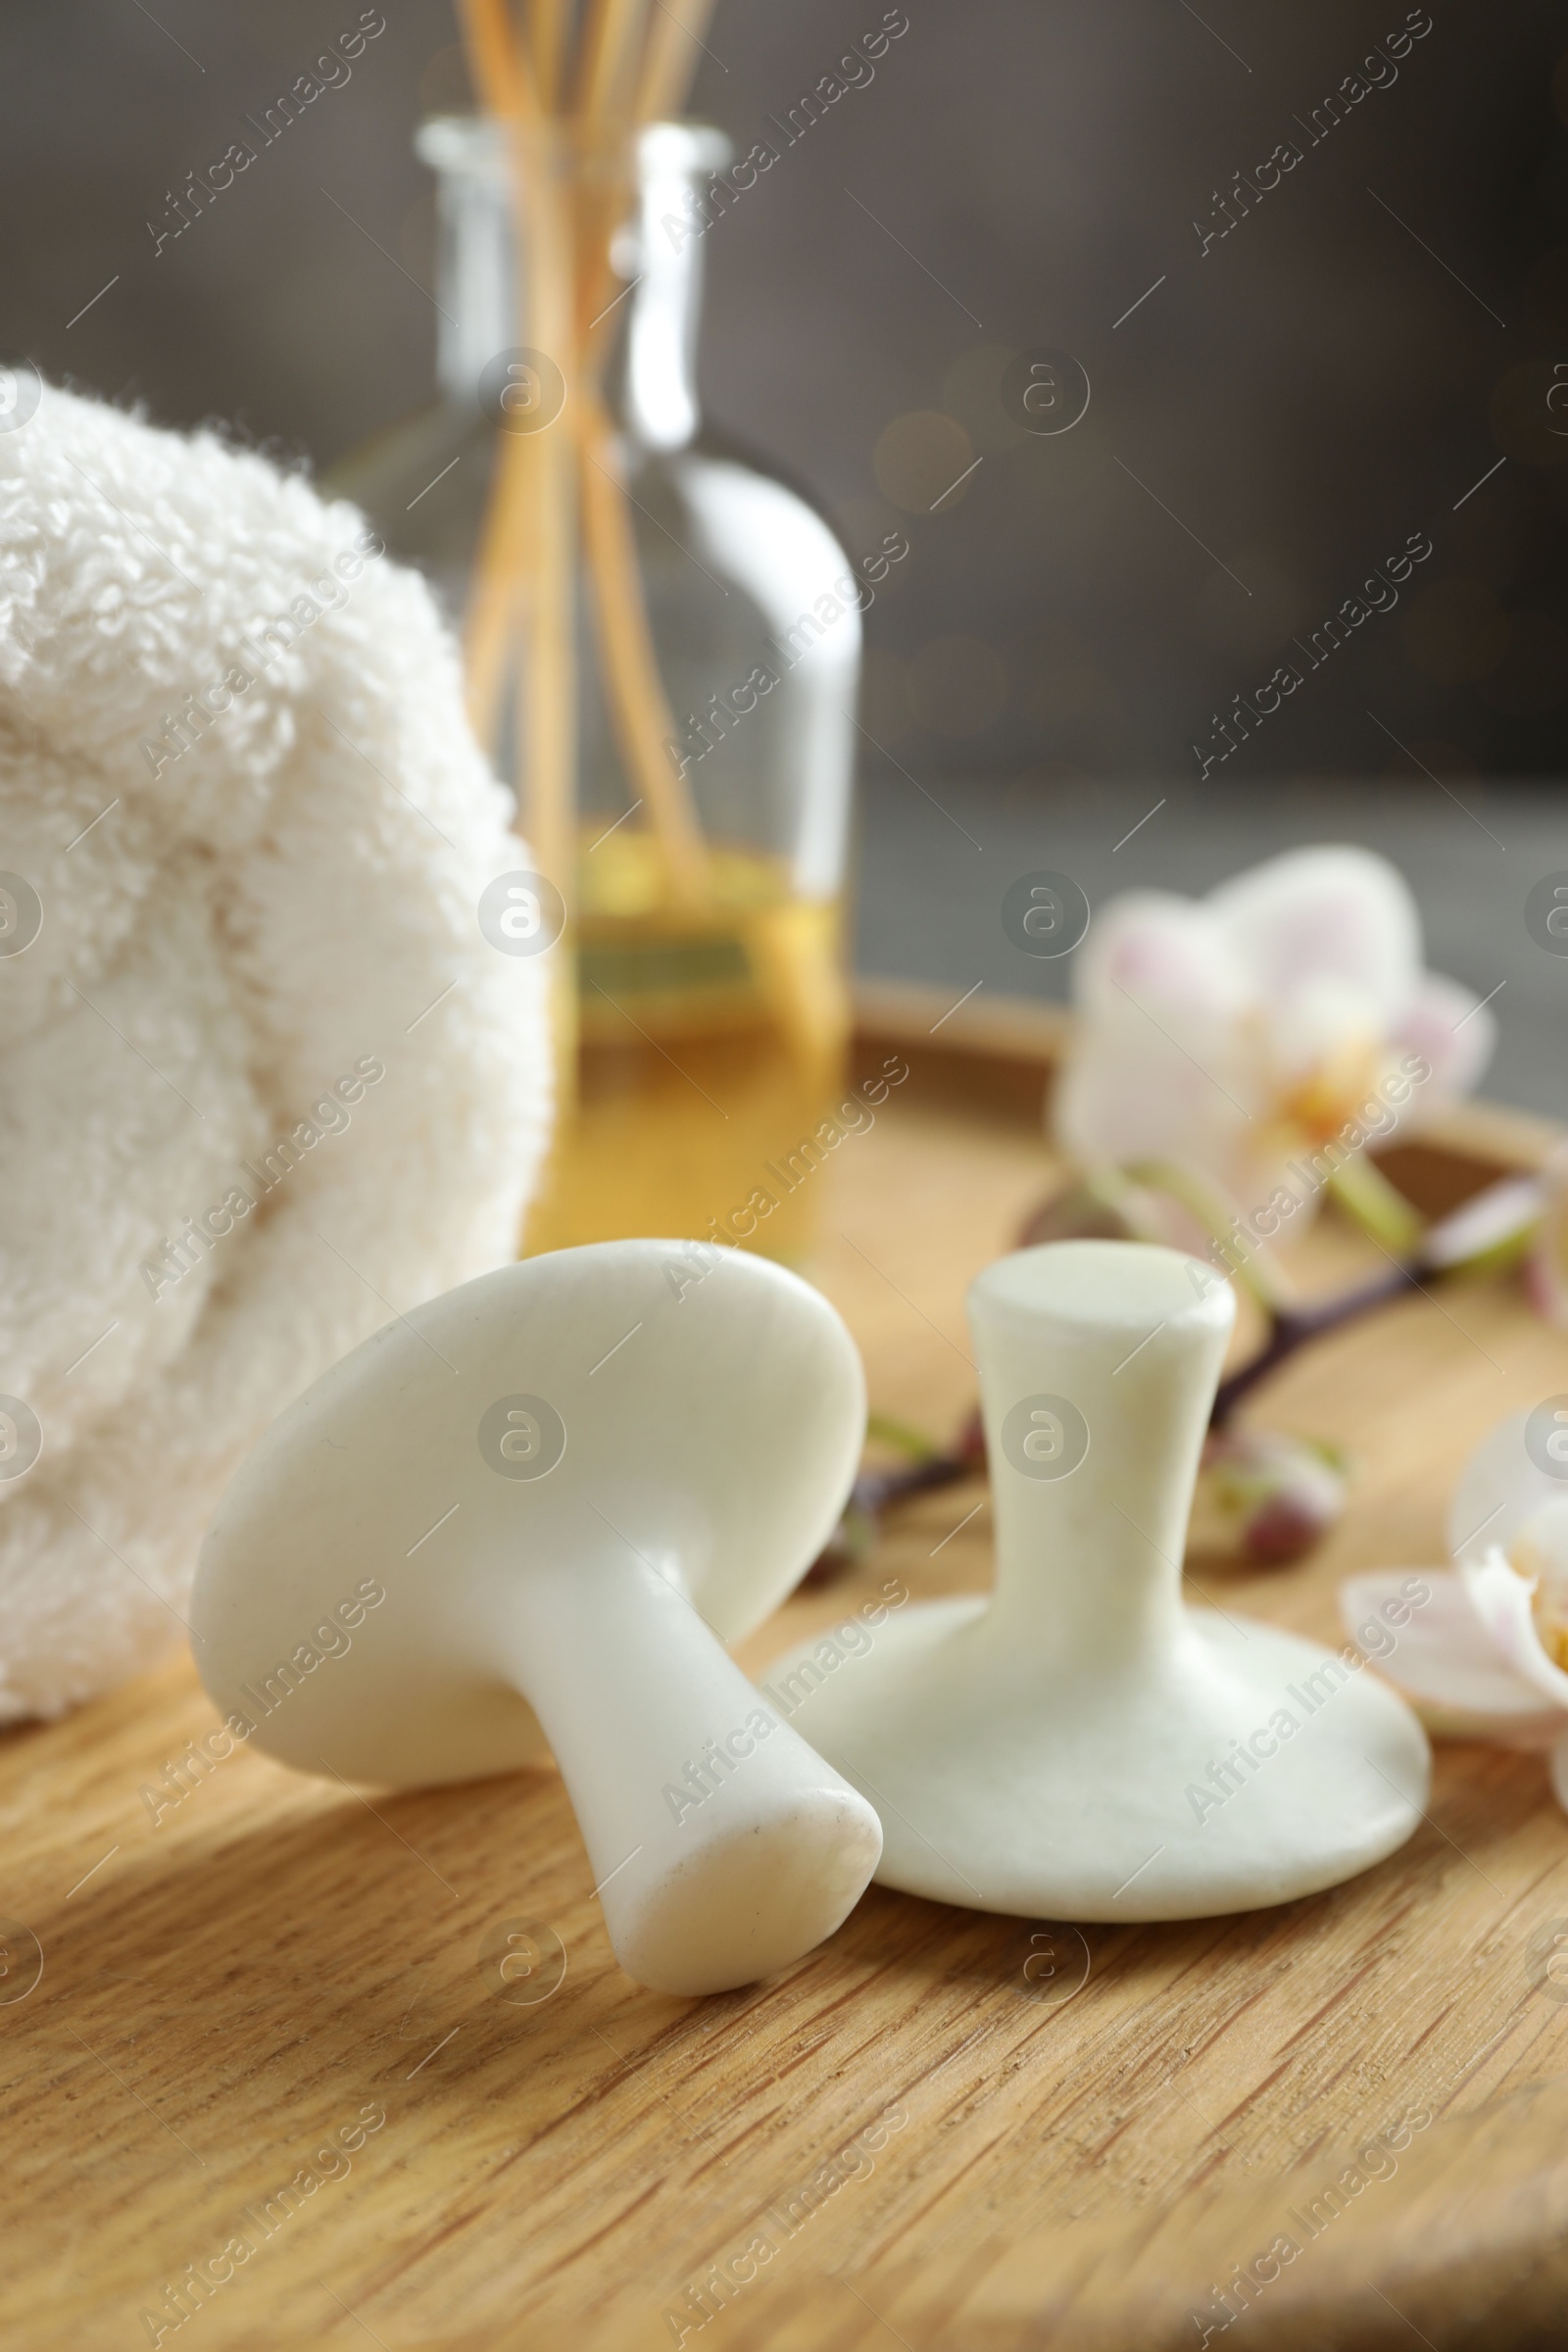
1492,1232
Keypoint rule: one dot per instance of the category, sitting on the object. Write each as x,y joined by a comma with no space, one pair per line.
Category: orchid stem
1291,1328
1369,1197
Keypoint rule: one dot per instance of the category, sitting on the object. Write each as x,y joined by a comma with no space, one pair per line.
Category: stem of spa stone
1089,1562
722,1847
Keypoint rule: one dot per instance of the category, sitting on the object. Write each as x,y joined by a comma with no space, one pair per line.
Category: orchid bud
1080,1211
1274,1497
852,1540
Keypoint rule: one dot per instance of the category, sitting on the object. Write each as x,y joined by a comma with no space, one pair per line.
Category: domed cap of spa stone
573,1480
1083,1744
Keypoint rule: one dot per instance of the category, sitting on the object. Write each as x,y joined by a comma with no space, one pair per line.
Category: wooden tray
916,2146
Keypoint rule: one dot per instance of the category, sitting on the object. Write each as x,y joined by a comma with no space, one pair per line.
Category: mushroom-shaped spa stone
573,1481
1083,1744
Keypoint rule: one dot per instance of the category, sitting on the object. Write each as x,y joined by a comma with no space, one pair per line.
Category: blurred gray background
1270,416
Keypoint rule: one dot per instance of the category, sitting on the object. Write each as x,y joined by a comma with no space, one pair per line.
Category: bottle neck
650,373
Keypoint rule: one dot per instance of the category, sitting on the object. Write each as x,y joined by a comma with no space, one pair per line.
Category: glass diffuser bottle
683,733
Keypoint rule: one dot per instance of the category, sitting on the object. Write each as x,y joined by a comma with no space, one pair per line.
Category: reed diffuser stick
612,43
643,722
548,35
496,68
494,608
670,58
570,107
532,522
495,58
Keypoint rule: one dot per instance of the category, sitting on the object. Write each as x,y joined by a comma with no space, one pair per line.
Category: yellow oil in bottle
710,1042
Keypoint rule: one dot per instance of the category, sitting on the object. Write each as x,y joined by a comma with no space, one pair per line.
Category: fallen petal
1546,1275
1559,1773
1443,1660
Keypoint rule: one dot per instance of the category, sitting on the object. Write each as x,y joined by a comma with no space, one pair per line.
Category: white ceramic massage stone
1083,1744
574,1479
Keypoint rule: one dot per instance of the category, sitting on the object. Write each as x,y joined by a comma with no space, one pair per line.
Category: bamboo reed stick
494,59
671,57
494,608
550,760
534,489
549,37
612,43
549,706
546,724
643,722
527,570
497,75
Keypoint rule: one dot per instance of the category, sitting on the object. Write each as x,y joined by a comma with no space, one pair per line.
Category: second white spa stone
1083,1744
573,1481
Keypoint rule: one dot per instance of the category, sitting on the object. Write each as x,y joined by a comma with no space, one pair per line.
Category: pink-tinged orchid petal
1153,1069
1232,1034
1127,1101
1167,953
1329,913
1500,1598
1444,1660
1490,1228
1501,1490
1559,1773
1455,1034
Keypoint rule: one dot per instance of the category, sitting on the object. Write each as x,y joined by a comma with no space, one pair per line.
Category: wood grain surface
934,2147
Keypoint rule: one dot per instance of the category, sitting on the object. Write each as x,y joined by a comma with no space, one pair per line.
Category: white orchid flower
1259,1037
1487,1656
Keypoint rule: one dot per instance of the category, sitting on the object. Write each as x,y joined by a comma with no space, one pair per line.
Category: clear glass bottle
711,1037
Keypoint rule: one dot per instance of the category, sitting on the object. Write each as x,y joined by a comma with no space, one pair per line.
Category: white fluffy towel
263,1084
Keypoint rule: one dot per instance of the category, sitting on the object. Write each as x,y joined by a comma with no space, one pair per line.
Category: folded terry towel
262,1083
